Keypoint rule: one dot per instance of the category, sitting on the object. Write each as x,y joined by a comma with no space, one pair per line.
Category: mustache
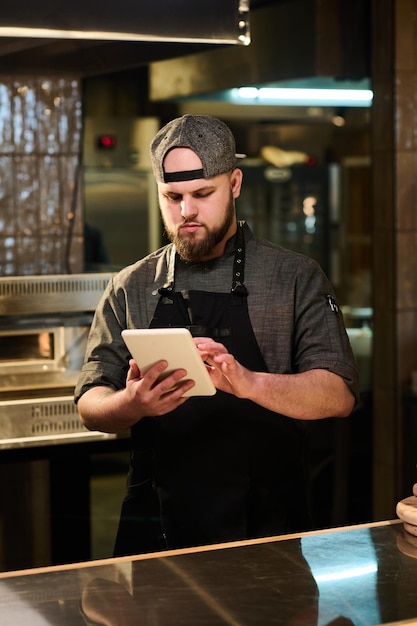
188,222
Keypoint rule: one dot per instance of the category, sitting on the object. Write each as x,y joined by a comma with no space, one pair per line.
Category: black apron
217,468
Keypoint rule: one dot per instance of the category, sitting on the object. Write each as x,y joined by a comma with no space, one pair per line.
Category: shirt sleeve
320,339
107,358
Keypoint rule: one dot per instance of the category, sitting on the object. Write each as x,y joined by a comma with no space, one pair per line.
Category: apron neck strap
168,288
238,287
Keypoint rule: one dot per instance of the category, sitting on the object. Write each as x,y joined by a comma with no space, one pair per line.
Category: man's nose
187,207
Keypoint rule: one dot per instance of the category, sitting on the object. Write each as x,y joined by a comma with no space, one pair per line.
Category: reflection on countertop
360,575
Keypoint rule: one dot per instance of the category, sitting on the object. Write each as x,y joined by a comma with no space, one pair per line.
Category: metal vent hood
89,37
290,39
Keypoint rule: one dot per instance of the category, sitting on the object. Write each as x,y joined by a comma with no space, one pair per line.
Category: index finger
209,346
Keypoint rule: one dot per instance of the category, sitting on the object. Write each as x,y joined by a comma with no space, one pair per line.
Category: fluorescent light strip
49,33
303,97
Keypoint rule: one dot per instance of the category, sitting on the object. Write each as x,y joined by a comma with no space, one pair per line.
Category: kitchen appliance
119,191
296,207
44,325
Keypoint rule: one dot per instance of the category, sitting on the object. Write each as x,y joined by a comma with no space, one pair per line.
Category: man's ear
236,178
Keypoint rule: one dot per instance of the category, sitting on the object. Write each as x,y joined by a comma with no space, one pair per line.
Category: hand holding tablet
175,345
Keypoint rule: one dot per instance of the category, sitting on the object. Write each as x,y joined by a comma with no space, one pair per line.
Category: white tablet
175,345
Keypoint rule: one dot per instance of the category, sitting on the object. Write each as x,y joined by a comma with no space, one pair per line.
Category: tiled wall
395,240
40,196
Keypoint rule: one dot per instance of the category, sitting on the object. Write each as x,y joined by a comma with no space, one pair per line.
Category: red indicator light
106,142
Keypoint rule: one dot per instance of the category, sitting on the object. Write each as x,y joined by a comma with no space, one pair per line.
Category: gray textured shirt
295,321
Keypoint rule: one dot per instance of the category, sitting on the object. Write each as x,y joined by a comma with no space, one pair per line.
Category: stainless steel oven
44,325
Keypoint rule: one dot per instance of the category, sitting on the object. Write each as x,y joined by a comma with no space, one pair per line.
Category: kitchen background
77,197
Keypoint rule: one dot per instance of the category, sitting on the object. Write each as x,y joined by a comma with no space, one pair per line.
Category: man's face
199,215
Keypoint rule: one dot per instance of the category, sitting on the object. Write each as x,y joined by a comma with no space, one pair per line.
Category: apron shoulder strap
168,288
238,287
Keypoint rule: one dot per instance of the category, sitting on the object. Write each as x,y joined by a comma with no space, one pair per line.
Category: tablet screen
175,345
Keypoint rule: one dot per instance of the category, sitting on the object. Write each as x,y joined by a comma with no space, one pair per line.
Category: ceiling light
303,96
55,33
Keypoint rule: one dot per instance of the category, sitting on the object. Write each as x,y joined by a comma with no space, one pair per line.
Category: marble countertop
360,575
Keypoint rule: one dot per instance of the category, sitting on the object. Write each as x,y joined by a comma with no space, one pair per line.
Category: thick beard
191,250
